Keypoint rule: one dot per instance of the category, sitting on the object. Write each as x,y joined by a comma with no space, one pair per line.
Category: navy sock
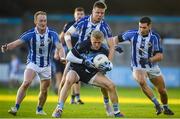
106,100
39,108
60,105
17,106
72,98
116,108
165,106
77,96
155,101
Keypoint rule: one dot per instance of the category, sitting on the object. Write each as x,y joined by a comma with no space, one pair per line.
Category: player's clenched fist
4,48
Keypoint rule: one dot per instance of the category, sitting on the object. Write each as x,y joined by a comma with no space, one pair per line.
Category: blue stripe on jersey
134,49
150,50
41,61
29,52
107,30
33,58
84,31
49,48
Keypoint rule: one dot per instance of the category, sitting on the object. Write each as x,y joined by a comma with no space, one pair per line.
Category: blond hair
39,13
97,34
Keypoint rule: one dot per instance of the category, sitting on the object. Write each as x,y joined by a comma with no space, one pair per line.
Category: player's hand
118,49
107,66
4,48
63,60
88,63
144,61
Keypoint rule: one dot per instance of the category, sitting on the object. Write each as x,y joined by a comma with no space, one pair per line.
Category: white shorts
151,72
41,72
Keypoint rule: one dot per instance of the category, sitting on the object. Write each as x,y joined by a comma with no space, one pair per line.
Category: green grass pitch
133,104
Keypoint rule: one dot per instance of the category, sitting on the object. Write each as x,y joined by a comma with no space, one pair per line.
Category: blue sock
39,108
165,106
155,101
77,97
116,108
72,98
106,100
17,106
60,105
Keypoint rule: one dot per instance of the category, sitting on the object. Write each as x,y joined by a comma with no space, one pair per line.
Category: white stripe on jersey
44,48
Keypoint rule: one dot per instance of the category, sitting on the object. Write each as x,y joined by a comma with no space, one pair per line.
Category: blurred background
16,16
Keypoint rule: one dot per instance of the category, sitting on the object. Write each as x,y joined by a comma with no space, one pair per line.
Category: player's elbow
67,36
159,57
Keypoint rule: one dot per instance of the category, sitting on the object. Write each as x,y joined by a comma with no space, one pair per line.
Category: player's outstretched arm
11,46
115,40
111,49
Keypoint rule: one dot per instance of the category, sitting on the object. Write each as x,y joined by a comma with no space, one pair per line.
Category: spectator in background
14,71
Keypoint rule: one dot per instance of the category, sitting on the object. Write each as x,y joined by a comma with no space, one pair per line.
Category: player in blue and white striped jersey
86,25
84,28
41,41
146,53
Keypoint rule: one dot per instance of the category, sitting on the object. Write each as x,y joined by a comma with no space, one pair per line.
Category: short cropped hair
145,20
97,34
39,13
100,4
79,9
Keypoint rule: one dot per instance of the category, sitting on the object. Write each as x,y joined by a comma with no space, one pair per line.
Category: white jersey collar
37,32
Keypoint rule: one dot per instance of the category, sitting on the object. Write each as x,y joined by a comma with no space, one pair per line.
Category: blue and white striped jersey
142,47
84,27
40,45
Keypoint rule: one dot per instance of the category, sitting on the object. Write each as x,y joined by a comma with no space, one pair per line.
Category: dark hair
79,9
100,4
145,20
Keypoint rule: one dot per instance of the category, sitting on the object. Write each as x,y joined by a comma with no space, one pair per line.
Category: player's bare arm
61,37
115,40
59,52
11,46
156,58
111,49
67,37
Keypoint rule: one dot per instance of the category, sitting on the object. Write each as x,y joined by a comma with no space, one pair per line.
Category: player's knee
25,84
111,86
44,92
142,83
162,91
69,82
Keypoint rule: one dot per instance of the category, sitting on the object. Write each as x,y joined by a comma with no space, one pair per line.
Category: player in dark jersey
82,68
59,66
84,28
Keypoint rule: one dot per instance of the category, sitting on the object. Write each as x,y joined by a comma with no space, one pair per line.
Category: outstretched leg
160,86
29,75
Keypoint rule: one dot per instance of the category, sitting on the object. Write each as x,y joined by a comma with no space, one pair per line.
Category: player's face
41,23
98,14
78,15
96,43
144,28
